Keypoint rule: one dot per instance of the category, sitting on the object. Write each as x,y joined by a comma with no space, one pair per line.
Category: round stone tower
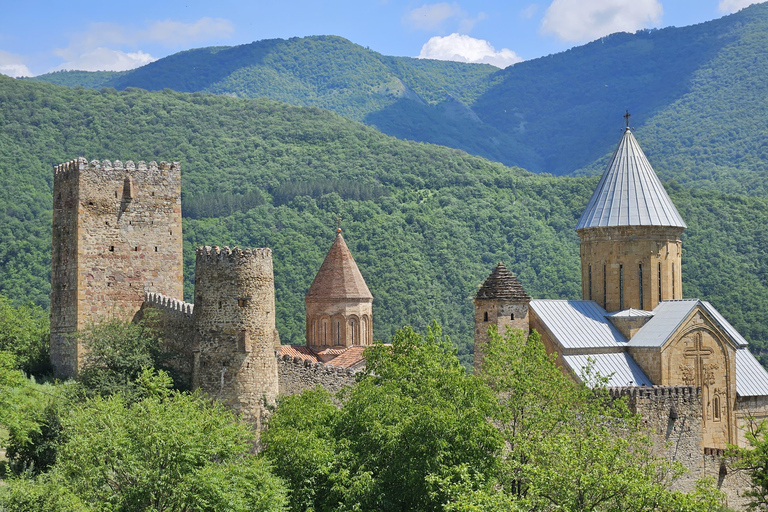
500,301
630,236
234,328
339,303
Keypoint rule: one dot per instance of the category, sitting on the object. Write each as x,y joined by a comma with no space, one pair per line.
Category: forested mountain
697,93
426,224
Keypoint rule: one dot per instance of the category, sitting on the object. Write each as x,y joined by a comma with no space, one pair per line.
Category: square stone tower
116,235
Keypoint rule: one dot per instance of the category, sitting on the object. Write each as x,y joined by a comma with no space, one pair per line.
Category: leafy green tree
754,459
25,332
178,452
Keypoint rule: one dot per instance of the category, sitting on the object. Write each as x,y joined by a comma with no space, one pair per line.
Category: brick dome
339,277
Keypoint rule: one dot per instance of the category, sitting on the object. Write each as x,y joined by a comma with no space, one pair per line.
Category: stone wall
172,320
502,313
296,375
116,236
234,329
618,253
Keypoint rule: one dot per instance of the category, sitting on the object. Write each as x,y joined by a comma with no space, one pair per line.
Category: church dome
630,193
338,277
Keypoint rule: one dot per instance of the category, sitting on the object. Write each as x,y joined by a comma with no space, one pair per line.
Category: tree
25,332
754,459
178,452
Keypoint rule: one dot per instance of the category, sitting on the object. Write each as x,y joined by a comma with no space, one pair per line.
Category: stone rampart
296,374
172,320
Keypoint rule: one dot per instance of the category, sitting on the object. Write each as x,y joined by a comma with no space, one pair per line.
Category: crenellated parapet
654,391
169,304
82,164
297,374
216,253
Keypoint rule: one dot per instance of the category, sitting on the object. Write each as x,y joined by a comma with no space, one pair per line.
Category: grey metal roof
629,313
622,369
751,377
668,316
737,338
578,324
629,193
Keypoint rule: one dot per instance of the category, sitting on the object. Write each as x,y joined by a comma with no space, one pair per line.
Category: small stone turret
339,303
234,329
501,301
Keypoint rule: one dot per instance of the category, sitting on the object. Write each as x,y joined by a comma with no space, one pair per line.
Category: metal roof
630,193
629,313
578,324
668,316
737,338
751,377
622,369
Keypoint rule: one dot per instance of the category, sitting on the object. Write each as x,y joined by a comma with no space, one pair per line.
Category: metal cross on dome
626,117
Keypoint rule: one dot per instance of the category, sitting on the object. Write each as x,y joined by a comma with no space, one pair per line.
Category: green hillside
698,96
426,224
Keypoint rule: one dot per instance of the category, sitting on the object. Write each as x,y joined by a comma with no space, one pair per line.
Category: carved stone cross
698,354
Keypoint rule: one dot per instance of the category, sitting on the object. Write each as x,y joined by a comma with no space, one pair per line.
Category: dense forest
696,94
426,224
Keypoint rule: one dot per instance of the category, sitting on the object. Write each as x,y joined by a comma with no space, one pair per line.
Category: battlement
225,253
653,391
107,165
315,365
169,304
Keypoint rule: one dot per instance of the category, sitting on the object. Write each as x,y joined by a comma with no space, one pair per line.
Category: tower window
155,248
621,287
485,316
640,279
352,328
605,286
590,281
111,248
338,333
716,408
136,249
673,280
659,282
512,316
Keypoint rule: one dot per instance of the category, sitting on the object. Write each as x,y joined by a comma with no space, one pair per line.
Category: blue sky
41,36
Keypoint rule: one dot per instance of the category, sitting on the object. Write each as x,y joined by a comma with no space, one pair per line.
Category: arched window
355,341
716,408
365,330
338,332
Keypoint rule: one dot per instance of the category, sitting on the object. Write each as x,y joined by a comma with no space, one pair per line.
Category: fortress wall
172,320
296,375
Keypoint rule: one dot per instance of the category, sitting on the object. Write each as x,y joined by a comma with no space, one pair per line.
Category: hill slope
426,224
697,93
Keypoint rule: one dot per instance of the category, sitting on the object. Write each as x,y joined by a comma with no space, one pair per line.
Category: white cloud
730,6
584,20
113,47
463,48
104,59
13,65
432,16
529,11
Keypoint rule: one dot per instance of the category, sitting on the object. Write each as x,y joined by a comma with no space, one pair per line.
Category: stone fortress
117,252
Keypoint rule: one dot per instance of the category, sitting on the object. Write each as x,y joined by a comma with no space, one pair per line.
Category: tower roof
502,284
339,277
630,193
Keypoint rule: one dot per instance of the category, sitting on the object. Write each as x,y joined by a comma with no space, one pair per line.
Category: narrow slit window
111,248
338,333
155,248
590,281
621,287
512,316
605,287
485,316
673,280
659,282
640,281
136,249
716,408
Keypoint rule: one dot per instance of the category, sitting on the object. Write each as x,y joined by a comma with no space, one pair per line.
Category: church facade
632,325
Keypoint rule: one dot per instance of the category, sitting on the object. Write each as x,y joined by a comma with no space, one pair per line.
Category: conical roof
502,284
630,193
339,277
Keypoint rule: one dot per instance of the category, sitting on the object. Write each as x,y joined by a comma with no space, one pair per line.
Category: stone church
633,324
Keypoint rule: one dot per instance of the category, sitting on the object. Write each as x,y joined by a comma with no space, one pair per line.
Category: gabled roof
339,277
670,314
578,324
502,284
751,377
621,369
629,193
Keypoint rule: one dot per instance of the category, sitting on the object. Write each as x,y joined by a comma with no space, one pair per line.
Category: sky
38,37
